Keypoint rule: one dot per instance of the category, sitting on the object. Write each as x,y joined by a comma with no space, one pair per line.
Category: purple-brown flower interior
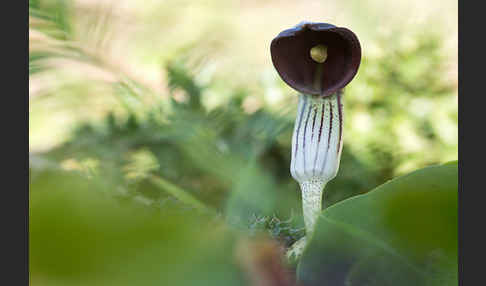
291,57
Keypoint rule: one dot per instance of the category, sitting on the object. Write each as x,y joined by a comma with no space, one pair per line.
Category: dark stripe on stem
305,131
313,123
340,112
323,106
330,124
322,121
327,149
300,122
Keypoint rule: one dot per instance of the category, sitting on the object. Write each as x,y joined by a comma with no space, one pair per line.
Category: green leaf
402,233
57,13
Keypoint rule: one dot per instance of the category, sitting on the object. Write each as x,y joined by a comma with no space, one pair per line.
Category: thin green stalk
180,194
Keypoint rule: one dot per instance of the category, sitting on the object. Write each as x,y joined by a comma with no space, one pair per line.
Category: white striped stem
316,149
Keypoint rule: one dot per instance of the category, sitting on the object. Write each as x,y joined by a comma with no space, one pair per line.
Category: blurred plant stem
180,194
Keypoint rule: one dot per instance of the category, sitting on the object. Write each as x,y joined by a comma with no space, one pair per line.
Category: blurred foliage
402,233
161,123
282,231
114,244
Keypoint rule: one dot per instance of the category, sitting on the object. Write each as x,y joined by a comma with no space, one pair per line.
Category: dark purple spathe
291,57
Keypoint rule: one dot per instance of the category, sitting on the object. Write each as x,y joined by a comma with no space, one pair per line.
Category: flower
318,60
292,52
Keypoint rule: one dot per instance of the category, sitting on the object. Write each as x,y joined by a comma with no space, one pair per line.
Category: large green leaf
402,233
